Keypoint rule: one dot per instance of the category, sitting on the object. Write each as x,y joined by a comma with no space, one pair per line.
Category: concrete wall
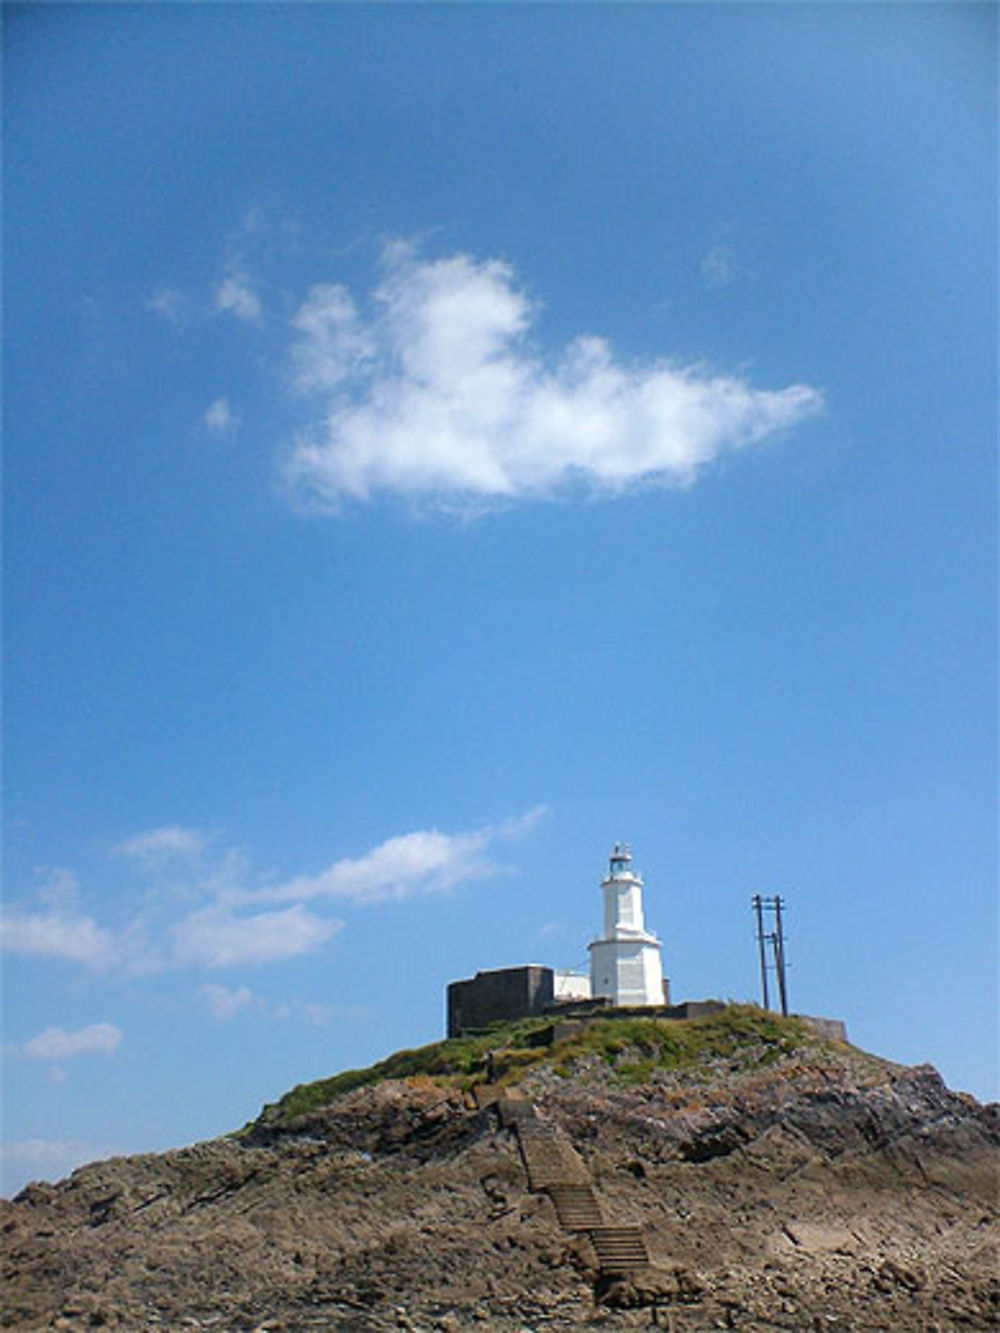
693,1009
834,1029
498,996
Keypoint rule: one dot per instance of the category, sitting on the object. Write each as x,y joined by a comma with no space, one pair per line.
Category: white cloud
237,296
58,934
519,826
221,416
426,861
226,875
216,937
437,394
58,1044
333,342
59,889
223,924
172,840
224,1003
399,868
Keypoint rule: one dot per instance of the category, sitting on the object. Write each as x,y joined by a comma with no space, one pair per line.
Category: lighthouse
625,963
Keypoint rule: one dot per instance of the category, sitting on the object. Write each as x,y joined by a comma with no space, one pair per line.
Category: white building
625,962
569,986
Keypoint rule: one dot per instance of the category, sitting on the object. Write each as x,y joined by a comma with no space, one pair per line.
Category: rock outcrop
804,1187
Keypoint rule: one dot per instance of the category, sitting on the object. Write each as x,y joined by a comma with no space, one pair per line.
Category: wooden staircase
555,1168
549,1158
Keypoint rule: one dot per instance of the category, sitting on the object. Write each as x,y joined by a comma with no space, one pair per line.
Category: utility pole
779,955
775,940
758,904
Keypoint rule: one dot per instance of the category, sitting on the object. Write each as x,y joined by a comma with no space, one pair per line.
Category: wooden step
544,1172
619,1249
549,1159
576,1206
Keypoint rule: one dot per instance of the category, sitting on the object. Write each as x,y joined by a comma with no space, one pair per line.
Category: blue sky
441,441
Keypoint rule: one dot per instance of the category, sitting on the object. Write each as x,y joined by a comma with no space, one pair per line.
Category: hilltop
736,1171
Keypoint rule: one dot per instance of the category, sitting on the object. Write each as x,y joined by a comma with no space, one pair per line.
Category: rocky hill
739,1171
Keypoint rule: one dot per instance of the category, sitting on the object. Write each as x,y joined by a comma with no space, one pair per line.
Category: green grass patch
457,1062
632,1048
637,1047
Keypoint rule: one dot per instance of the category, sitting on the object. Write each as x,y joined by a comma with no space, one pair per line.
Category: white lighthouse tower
625,962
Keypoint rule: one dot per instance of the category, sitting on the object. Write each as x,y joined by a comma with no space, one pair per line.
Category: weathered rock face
807,1199
820,1194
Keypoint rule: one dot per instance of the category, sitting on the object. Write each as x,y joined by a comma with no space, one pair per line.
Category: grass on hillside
633,1047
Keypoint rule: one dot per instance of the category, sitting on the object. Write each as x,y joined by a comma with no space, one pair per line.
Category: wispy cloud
406,866
47,1159
719,267
224,1003
398,868
170,303
332,342
167,842
59,888
230,916
322,1015
221,417
57,934
237,295
434,391
550,930
58,1044
217,937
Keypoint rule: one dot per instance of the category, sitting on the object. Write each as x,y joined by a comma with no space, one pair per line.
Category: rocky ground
820,1191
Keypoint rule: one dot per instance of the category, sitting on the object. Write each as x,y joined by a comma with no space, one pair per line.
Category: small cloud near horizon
45,1159
58,1044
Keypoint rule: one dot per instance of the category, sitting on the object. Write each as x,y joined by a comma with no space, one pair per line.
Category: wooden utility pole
775,940
758,904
